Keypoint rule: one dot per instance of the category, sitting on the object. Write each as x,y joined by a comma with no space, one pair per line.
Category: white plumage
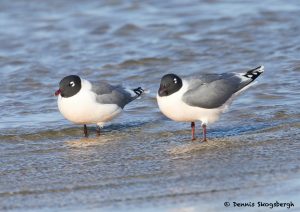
83,108
83,103
202,98
174,108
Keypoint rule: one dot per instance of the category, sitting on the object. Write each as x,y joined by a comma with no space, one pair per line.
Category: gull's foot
85,131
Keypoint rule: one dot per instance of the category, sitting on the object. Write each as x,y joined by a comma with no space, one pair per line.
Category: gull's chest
79,103
174,108
83,108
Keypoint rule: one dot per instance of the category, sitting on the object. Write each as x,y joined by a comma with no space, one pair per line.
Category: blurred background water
142,159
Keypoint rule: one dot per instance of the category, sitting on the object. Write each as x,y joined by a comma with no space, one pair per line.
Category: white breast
174,108
82,108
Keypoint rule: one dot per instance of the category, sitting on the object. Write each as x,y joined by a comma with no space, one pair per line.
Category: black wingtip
138,91
254,73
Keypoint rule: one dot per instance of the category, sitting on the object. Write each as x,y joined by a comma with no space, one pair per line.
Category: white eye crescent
175,80
72,84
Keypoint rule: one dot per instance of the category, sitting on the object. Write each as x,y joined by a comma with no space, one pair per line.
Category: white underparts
174,108
83,108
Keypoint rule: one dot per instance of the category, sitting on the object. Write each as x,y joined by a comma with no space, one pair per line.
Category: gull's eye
72,84
175,80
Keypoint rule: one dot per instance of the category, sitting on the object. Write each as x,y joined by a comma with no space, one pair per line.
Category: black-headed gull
201,98
83,103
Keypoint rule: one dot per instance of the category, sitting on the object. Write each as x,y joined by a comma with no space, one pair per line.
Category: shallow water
142,159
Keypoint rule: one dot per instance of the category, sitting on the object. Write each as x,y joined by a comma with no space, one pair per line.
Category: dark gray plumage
69,86
169,84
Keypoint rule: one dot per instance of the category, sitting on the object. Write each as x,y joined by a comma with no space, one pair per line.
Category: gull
82,102
201,98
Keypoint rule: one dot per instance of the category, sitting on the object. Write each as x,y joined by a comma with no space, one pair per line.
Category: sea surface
144,161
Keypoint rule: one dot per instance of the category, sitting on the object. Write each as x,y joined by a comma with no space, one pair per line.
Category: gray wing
213,90
110,94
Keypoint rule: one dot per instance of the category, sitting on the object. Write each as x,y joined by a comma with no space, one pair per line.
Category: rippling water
143,160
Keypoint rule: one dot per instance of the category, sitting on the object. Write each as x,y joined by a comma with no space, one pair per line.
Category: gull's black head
69,86
169,84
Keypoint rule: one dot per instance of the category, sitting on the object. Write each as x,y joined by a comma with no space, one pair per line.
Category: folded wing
213,90
111,94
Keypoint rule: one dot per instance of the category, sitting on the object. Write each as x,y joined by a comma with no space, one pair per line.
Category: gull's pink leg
85,131
193,131
204,132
